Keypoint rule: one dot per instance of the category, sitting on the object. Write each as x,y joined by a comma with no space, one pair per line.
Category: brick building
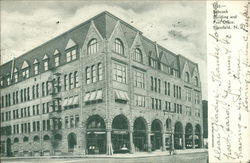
101,87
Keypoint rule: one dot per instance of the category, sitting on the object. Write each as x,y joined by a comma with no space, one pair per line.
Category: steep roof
105,24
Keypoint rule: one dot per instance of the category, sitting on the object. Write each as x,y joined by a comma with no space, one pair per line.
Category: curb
104,156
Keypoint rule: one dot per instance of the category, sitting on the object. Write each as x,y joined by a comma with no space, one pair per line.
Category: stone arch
36,138
16,140
72,141
95,121
156,131
198,136
189,135
120,133
96,134
140,133
178,135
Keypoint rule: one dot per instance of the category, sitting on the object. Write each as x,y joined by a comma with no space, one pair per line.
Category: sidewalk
135,155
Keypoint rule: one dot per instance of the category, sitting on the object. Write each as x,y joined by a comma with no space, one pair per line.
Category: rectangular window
66,122
76,78
16,77
71,81
48,107
155,84
34,110
139,79
34,126
43,89
36,69
139,101
8,81
159,104
66,80
37,109
100,71
57,61
44,109
38,125
16,97
68,57
153,103
159,85
152,83
188,94
156,104
93,73
48,124
119,72
37,91
46,65
77,120
28,93
44,125
88,75
26,73
71,55
71,121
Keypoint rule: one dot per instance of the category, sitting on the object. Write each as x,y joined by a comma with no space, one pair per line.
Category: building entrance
96,135
139,135
120,134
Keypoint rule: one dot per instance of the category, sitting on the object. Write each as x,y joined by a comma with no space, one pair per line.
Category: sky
179,26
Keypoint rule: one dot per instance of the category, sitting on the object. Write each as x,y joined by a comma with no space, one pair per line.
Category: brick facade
136,116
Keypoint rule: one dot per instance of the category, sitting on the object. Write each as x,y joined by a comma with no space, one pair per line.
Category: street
180,158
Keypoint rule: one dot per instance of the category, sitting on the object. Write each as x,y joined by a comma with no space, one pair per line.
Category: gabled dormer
118,43
56,55
71,51
45,62
25,70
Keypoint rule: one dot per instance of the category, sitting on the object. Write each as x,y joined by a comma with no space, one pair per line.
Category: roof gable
70,44
25,65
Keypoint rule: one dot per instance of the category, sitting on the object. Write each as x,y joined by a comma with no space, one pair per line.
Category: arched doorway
178,133
198,136
189,136
96,135
8,143
72,142
139,135
168,140
156,137
120,134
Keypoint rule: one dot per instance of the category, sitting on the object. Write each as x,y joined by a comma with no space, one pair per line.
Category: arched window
138,55
25,139
16,140
93,72
87,70
36,138
119,46
187,77
92,46
196,81
46,137
100,71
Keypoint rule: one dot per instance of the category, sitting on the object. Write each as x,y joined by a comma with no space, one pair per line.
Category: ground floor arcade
121,136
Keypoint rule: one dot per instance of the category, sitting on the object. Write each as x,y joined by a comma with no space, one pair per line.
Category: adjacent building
99,88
